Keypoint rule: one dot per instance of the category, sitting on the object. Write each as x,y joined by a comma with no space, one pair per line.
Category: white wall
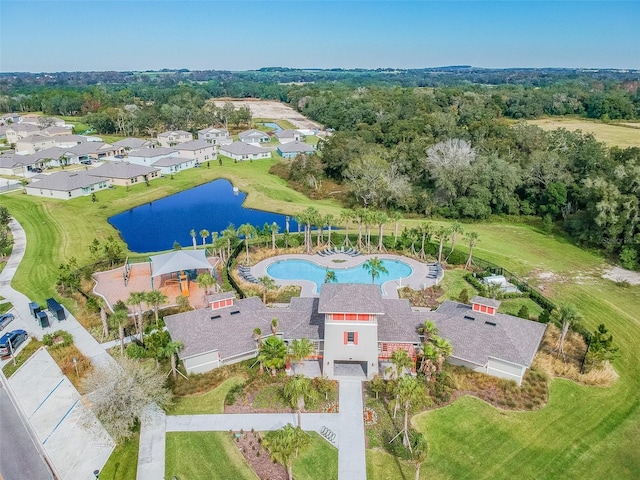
202,363
503,369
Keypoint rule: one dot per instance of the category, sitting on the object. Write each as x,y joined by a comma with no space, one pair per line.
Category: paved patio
110,284
417,280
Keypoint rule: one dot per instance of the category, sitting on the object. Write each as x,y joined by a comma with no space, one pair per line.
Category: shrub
464,296
57,339
523,312
230,399
136,351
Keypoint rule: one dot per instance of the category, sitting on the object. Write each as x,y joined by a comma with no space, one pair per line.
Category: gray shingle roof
220,296
204,131
53,153
489,302
252,133
350,298
240,148
121,170
295,147
132,142
152,152
174,132
287,133
193,145
88,148
67,181
170,161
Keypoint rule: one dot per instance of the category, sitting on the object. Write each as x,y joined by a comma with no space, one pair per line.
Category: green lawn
320,460
205,456
123,462
210,402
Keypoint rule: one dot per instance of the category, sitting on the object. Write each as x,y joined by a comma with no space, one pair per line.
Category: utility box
55,308
34,308
43,320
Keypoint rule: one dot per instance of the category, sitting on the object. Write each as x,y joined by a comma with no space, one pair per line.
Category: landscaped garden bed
258,458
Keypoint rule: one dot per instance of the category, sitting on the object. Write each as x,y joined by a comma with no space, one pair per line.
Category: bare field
618,135
272,110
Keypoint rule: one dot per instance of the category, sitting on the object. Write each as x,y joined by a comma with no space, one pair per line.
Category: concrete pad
73,438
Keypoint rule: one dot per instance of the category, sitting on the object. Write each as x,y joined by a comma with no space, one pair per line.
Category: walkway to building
419,278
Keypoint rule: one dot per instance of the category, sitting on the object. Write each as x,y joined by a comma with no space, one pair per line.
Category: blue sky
87,35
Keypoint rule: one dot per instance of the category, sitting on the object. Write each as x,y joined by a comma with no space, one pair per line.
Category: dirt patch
427,297
258,458
618,274
272,110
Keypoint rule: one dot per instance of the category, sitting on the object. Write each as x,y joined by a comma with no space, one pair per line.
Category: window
350,338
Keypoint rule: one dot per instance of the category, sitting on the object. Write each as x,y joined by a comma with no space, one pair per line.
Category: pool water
305,270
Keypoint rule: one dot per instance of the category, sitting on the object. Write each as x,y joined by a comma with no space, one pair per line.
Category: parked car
12,340
5,319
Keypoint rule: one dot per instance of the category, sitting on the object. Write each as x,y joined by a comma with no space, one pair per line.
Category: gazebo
178,263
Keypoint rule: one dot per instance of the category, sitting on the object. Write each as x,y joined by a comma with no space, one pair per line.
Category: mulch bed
427,297
258,457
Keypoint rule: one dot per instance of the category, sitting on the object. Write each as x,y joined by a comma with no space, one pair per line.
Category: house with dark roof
244,151
355,332
125,173
173,138
20,130
254,136
292,149
33,144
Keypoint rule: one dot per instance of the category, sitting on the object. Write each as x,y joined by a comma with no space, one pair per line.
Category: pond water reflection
155,226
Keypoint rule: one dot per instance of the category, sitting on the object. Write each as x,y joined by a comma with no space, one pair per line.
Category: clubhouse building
355,331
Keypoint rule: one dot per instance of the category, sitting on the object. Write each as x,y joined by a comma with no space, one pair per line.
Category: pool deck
417,280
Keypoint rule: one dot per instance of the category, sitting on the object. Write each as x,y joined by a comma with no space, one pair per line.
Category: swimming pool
294,269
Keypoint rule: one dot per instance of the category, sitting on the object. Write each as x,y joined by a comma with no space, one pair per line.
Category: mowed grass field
584,432
621,135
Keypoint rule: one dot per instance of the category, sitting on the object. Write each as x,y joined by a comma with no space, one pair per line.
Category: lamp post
96,473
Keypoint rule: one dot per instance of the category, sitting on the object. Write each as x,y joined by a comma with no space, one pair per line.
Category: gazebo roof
178,260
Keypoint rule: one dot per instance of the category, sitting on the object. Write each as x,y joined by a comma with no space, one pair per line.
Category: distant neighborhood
40,143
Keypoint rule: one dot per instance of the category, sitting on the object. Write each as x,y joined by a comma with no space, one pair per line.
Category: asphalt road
19,458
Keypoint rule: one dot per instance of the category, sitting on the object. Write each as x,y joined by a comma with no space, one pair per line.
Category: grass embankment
58,230
613,134
204,403
123,462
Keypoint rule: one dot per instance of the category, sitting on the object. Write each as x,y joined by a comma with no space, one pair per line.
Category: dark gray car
5,319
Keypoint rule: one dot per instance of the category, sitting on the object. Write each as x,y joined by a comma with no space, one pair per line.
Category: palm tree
274,325
297,391
418,449
473,239
428,363
256,336
274,231
170,351
357,215
330,277
455,229
205,281
444,349
569,318
396,217
155,298
247,231
409,391
345,217
301,349
284,443
428,330
120,317
230,234
425,231
193,238
273,354
135,300
367,219
375,267
267,284
442,235
401,361
204,234
328,222
380,218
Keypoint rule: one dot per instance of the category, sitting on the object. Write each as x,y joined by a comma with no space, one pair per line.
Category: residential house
65,185
173,138
10,164
244,151
355,332
254,136
33,144
20,130
125,173
53,131
132,143
49,157
199,150
148,156
216,136
287,136
291,149
171,165
9,119
89,151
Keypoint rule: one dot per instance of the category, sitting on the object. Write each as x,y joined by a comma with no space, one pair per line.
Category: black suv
12,340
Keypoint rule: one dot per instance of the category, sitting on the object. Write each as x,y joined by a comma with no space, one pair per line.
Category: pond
155,226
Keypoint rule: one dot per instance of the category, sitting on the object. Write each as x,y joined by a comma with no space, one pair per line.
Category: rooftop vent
216,316
490,323
235,312
467,317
